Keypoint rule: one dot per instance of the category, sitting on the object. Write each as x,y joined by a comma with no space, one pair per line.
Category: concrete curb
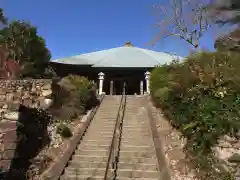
162,162
56,169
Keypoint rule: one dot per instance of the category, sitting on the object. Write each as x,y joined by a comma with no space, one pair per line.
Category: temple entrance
115,86
114,81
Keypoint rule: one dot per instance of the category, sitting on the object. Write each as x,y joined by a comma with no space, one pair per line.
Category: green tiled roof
126,56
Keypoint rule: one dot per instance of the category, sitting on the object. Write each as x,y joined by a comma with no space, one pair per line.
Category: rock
46,87
45,103
224,144
27,102
2,91
229,139
46,93
3,97
5,106
13,106
10,97
224,153
12,116
26,96
237,145
235,158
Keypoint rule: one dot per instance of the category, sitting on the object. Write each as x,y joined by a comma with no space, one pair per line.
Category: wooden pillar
111,87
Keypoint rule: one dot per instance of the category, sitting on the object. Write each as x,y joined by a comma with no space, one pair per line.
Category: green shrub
64,130
201,97
161,95
159,78
83,87
78,94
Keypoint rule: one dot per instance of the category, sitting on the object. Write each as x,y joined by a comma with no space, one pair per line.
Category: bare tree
3,19
225,11
185,19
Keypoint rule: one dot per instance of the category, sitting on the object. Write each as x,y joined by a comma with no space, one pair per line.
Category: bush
82,85
78,94
85,89
201,96
64,130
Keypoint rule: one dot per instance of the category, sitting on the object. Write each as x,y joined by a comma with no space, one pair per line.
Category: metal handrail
113,151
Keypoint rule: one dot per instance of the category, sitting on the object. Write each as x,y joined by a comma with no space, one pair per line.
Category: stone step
137,160
138,166
110,113
81,177
144,138
135,152
96,136
103,123
93,146
86,171
130,173
90,158
138,155
86,164
139,125
136,136
106,118
103,164
131,122
100,130
125,147
135,126
92,152
136,133
137,142
135,130
139,137
97,141
87,177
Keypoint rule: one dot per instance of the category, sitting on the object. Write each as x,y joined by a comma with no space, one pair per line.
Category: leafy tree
26,47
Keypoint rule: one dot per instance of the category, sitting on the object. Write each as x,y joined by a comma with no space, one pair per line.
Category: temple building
115,67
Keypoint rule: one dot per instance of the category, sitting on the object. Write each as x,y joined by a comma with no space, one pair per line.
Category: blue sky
79,26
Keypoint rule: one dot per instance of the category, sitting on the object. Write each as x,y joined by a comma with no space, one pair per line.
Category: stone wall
228,152
31,93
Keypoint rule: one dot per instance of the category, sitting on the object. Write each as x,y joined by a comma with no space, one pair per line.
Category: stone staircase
137,158
90,158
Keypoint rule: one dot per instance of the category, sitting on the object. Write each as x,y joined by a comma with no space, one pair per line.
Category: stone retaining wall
31,93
